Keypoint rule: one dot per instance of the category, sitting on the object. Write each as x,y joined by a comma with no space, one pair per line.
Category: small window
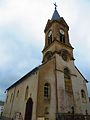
62,36
46,90
26,93
49,37
11,99
17,93
83,95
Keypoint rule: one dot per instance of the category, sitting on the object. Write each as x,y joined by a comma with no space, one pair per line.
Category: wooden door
28,111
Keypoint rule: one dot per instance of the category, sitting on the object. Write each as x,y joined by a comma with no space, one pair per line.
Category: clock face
62,31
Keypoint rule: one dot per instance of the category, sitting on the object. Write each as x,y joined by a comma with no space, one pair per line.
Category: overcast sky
22,24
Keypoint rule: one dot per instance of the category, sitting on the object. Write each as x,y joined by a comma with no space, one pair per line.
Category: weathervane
55,5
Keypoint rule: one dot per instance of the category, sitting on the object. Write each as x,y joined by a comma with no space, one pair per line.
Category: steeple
56,15
56,37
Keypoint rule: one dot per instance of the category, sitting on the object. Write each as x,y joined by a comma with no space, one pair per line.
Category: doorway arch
28,111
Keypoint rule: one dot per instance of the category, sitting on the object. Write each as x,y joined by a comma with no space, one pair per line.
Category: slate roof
24,77
81,75
56,15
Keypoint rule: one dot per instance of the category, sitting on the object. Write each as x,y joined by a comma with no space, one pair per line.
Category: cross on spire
56,15
55,5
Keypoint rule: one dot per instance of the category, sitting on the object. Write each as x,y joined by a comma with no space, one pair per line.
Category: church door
29,107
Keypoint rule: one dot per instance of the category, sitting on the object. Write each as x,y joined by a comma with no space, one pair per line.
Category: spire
56,15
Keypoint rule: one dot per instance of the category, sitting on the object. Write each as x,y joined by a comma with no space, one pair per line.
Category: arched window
11,99
26,93
49,37
68,81
83,95
66,73
17,93
62,36
47,91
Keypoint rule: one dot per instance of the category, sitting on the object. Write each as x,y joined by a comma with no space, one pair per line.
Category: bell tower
58,48
57,38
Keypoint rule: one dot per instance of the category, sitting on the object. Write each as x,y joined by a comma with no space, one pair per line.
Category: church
56,87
